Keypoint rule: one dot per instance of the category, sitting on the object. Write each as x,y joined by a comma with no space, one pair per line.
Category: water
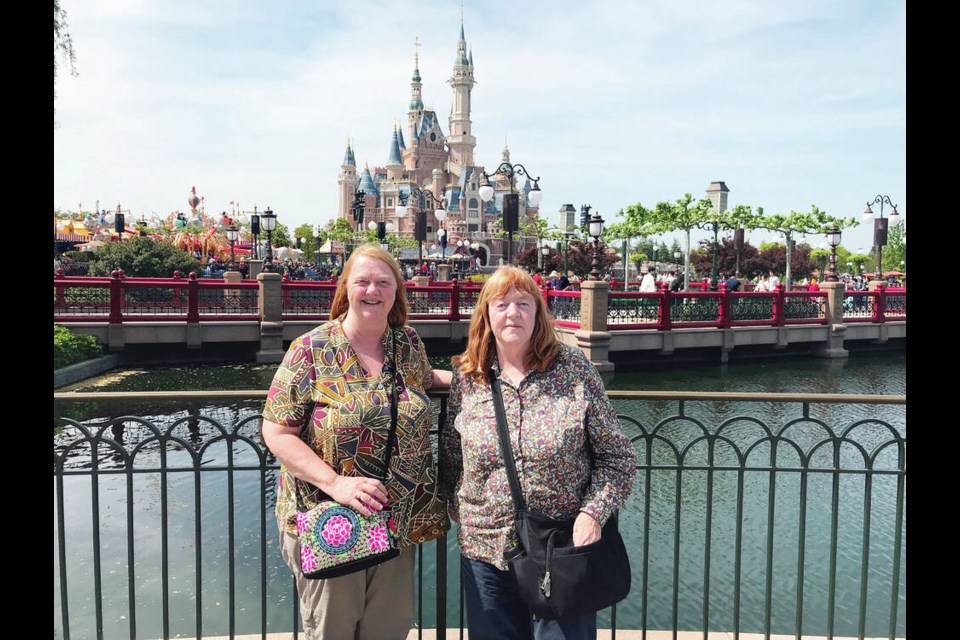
860,375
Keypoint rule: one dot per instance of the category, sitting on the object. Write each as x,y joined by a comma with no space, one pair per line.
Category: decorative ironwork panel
621,310
429,302
306,301
895,304
858,305
797,307
72,301
468,301
565,308
154,301
239,301
695,309
751,308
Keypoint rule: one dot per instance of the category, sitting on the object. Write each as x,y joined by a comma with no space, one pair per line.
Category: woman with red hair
572,457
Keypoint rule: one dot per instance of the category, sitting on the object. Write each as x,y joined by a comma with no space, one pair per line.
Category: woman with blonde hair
327,419
572,457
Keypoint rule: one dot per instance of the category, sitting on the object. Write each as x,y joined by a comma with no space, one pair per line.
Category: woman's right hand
363,494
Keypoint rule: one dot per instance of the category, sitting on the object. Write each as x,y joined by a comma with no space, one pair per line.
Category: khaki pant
374,604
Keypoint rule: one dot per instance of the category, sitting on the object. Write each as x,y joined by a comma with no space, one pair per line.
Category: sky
791,103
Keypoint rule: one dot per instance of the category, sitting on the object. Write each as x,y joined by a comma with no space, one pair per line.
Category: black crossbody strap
391,437
505,449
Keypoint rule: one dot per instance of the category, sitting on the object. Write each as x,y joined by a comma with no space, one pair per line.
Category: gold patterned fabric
344,414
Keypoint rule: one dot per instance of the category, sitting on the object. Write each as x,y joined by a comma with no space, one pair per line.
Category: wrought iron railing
787,517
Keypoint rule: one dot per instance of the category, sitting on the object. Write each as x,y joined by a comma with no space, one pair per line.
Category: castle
444,166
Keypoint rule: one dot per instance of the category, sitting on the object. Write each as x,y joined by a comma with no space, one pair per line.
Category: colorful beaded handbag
336,540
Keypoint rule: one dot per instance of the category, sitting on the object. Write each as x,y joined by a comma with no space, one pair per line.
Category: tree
749,262
740,217
62,45
540,230
308,244
895,253
795,222
143,257
683,214
280,236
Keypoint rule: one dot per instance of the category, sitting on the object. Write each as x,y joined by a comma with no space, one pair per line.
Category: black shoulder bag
555,578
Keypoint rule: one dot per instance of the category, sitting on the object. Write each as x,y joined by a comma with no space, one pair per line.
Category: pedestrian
326,419
576,459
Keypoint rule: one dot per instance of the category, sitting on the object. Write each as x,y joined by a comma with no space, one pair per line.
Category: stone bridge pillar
271,319
833,348
592,336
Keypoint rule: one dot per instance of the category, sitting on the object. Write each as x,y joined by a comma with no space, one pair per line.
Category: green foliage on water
71,348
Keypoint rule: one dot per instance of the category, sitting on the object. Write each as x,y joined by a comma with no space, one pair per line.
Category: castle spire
416,100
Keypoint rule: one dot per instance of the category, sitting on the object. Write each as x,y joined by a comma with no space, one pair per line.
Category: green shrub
70,348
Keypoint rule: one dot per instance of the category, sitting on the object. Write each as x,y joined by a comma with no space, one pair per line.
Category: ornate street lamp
880,226
833,239
511,203
232,237
255,230
269,221
420,224
596,230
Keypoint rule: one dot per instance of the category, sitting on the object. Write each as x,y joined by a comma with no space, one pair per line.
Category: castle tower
347,182
460,141
394,163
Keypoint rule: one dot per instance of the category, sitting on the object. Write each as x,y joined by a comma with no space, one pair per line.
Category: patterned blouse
571,453
344,414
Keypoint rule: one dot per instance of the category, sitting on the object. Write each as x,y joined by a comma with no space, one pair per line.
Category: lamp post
255,230
442,237
420,224
545,254
880,226
511,204
317,231
269,221
833,239
596,230
232,237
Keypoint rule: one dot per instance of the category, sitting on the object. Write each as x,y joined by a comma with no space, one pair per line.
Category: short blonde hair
476,361
341,303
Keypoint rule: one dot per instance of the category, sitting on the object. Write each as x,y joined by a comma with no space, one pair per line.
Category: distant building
441,164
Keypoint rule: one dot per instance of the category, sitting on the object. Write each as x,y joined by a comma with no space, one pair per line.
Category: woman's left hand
586,530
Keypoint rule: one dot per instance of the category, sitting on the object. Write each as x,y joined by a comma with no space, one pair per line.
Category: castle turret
460,141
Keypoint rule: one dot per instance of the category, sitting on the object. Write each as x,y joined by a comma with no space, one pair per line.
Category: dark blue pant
495,610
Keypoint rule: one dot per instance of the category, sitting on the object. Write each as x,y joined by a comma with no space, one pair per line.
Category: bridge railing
119,298
765,513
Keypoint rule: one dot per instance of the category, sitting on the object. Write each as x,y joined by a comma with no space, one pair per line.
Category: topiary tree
141,257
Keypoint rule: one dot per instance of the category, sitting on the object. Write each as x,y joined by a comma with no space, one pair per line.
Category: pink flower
337,531
302,519
378,539
308,562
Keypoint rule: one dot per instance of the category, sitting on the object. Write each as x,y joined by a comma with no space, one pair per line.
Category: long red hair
476,361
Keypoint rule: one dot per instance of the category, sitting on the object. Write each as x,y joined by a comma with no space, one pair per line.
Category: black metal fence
774,514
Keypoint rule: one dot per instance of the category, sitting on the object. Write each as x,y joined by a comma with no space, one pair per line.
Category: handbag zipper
545,583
